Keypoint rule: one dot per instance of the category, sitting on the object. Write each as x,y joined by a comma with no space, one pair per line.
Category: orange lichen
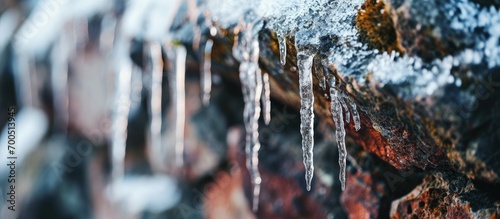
376,26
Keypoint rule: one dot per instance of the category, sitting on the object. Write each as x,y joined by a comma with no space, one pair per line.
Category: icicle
156,95
306,113
59,80
246,50
355,115
253,148
206,78
266,98
252,88
346,110
336,110
282,46
179,94
120,117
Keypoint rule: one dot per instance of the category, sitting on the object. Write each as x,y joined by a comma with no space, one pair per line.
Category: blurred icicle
121,112
62,51
22,78
206,77
355,115
179,102
266,98
246,51
156,95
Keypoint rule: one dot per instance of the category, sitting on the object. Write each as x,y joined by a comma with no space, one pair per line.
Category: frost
469,19
426,79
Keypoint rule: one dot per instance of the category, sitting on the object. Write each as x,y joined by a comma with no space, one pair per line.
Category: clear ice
306,113
346,109
282,46
336,109
319,69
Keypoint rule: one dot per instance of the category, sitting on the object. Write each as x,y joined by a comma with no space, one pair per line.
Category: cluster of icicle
338,106
255,88
153,26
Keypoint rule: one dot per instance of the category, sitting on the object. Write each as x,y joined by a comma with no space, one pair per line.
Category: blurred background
108,126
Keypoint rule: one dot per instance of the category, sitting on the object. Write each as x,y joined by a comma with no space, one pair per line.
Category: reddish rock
361,199
438,197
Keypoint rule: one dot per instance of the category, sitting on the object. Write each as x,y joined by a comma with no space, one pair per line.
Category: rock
445,195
